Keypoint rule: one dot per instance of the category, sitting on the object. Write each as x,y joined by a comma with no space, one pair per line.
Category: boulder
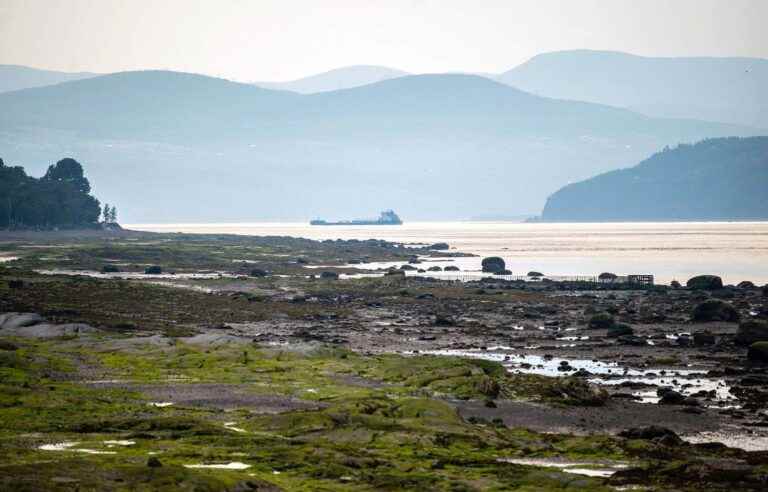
758,352
714,310
746,284
601,320
752,331
651,433
16,284
8,346
632,340
153,270
11,321
434,269
535,274
621,330
705,282
607,276
408,268
439,246
675,284
258,272
703,339
671,397
503,272
329,275
452,268
493,264
154,462
110,269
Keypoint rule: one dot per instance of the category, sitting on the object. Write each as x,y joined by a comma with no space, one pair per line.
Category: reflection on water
669,250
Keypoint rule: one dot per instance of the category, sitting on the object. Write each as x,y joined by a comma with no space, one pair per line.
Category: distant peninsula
715,179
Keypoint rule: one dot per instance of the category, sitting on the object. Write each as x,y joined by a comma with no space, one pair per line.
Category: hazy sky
286,39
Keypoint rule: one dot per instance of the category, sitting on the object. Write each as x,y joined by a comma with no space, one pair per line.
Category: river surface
668,250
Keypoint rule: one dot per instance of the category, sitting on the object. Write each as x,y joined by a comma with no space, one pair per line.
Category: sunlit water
669,250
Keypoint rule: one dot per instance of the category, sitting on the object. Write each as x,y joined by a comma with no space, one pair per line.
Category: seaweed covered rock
493,264
109,269
652,433
601,320
620,330
329,275
705,282
752,331
714,310
153,270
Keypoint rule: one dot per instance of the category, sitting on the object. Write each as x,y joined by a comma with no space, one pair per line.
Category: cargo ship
387,217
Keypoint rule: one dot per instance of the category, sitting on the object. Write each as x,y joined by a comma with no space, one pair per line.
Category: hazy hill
714,89
339,78
716,179
15,77
431,146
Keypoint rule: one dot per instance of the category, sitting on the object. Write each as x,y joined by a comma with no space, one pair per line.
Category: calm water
734,250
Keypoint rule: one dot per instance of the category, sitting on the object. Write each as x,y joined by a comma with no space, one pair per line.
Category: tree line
61,198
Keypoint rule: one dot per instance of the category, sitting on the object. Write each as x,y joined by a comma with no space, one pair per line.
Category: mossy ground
392,436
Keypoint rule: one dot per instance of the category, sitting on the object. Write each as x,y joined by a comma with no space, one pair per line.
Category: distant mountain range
16,77
716,179
333,80
730,90
716,89
168,146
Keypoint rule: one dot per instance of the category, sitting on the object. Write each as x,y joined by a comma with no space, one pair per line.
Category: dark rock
535,274
671,397
746,284
407,268
452,268
675,284
493,264
443,320
109,269
6,345
395,273
758,352
503,272
620,330
154,462
632,340
434,269
714,310
605,276
258,272
752,331
703,339
652,433
601,320
440,246
329,275
153,270
16,284
705,282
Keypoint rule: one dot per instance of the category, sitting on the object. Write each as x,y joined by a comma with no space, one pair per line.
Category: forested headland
59,199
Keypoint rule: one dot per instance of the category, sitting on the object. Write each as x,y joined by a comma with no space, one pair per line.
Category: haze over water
669,250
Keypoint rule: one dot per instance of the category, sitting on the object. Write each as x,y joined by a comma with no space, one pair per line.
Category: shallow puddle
234,465
686,381
601,470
